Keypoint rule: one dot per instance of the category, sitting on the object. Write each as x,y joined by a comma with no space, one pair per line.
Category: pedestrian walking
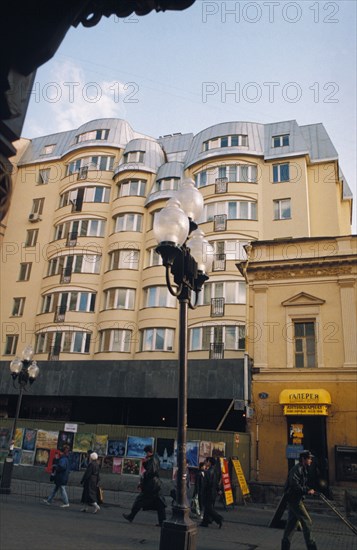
295,489
90,482
150,497
210,487
61,475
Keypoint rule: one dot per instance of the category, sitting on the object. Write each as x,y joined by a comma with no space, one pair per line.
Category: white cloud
72,99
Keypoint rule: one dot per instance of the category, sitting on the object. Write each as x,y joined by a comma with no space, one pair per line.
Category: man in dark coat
295,490
61,475
90,482
150,497
210,487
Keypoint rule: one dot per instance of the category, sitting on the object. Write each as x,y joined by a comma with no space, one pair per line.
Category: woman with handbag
90,482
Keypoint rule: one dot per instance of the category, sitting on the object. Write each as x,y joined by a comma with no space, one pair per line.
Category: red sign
226,481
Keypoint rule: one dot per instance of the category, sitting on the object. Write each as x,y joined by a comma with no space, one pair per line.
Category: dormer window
133,156
48,149
280,141
92,135
235,140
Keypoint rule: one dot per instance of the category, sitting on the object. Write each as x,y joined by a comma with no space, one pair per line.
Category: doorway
310,433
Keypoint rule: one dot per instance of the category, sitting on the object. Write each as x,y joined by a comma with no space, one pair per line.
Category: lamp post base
180,532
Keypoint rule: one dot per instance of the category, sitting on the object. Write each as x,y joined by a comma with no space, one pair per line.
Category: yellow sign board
316,410
240,476
305,397
226,482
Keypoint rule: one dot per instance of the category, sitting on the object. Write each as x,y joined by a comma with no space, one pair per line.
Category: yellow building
302,336
81,280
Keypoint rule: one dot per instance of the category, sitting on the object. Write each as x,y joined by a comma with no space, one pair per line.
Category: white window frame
25,271
125,258
37,205
279,167
116,295
18,306
198,337
166,184
133,157
132,188
48,149
213,209
95,135
31,238
278,141
279,205
153,258
95,162
149,339
223,289
130,221
11,342
158,296
119,340
43,176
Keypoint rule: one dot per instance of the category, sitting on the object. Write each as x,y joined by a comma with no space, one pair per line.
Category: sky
217,61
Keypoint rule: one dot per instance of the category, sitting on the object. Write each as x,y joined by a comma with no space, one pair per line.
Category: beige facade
301,333
80,275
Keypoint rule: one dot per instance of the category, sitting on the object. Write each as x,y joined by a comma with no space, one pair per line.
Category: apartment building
82,282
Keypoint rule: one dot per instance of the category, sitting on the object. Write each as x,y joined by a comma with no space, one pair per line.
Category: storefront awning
305,401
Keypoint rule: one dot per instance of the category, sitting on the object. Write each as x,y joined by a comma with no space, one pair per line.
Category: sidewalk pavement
26,522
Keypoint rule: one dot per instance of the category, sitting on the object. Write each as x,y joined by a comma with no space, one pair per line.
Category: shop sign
240,476
317,410
226,481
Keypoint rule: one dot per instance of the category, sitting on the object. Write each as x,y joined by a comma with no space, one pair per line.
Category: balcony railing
219,262
221,185
54,354
216,351
60,314
220,222
72,238
65,276
217,307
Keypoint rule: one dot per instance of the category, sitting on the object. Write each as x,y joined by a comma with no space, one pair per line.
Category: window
97,162
69,301
25,271
282,209
128,222
234,292
157,339
134,188
119,298
80,228
159,296
43,176
280,141
305,344
48,149
96,194
133,156
67,342
281,172
124,259
89,263
235,140
232,336
31,237
232,249
11,344
76,197
153,258
94,134
18,307
234,210
115,340
166,184
37,206
242,173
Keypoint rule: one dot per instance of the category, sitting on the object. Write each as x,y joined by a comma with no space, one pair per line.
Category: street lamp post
23,371
188,261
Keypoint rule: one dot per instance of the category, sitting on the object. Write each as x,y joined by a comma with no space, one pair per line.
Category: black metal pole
6,476
180,532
